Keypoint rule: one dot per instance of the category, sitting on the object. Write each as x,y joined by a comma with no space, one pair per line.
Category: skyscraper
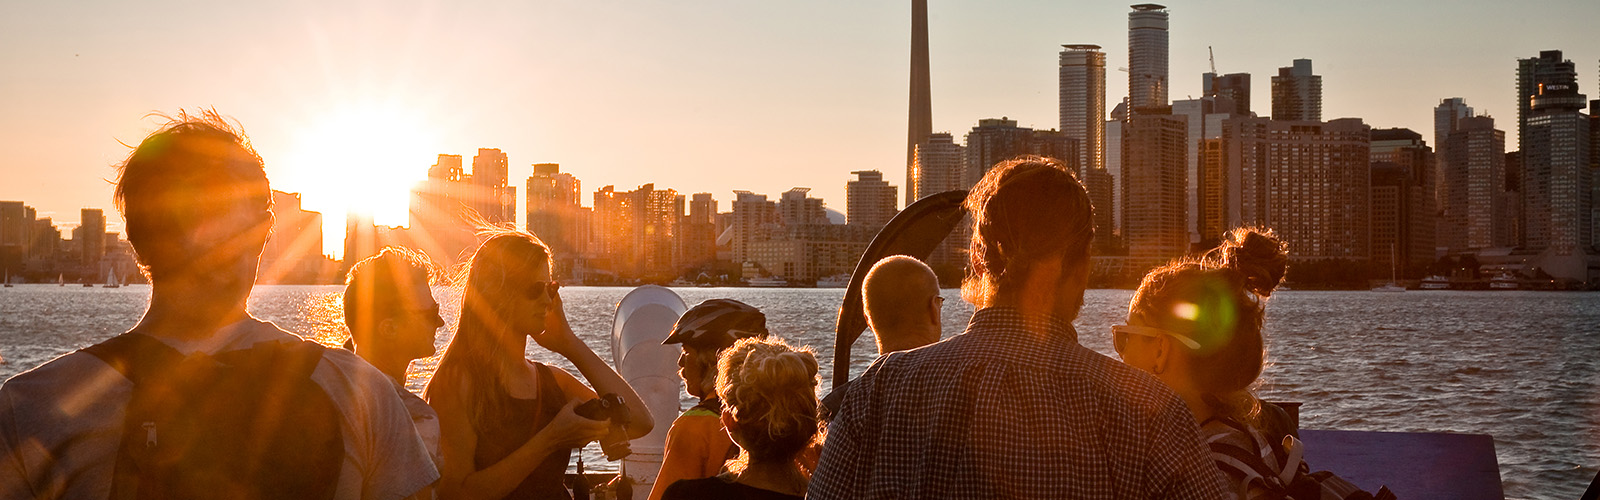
1154,186
755,219
1309,181
921,112
294,252
1402,200
1475,208
553,208
493,197
1147,56
1548,67
1083,102
1203,119
91,236
1445,117
1558,180
699,232
869,200
935,168
1234,87
1296,93
994,140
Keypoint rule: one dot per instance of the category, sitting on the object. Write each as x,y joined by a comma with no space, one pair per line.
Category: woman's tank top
518,419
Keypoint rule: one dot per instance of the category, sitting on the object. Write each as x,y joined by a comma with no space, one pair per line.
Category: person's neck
1194,399
392,366
780,477
905,341
188,311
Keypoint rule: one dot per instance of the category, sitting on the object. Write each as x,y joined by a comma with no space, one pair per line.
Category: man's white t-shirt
61,423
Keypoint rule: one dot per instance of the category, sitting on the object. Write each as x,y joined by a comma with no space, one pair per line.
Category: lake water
1523,367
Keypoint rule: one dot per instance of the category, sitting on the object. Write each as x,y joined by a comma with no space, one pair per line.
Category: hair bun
1258,255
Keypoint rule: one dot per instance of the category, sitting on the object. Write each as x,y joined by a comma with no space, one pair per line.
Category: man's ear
1163,355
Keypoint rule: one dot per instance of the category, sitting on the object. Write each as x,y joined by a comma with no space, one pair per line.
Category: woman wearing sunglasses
507,424
1196,324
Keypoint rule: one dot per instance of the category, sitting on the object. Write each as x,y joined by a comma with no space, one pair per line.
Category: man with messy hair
201,399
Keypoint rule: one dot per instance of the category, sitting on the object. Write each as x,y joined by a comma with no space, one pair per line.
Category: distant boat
835,281
1435,282
1504,281
1392,285
111,280
768,282
680,283
8,279
61,280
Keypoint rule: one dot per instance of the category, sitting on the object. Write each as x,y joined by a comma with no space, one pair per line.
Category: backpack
247,424
1288,478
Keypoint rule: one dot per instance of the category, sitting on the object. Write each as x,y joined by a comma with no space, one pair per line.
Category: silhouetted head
704,331
389,306
1029,214
769,399
1202,317
506,291
902,303
197,204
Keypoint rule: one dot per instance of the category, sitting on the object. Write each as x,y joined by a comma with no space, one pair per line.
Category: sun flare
362,160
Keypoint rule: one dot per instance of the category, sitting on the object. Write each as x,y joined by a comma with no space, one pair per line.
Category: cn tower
921,121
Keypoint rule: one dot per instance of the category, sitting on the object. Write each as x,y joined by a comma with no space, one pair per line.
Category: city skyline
314,80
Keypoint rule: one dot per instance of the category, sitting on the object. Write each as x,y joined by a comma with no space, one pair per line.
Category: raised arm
559,338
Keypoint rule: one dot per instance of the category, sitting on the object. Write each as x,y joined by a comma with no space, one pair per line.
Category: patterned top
1012,408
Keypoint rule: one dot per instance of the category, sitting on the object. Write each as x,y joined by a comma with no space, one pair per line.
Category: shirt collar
1011,318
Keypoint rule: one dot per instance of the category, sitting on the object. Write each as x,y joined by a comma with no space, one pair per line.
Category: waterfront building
1147,56
1309,181
554,214
1232,91
796,207
494,199
445,208
1548,67
1446,117
994,140
936,167
1403,220
1557,179
637,231
1474,187
294,252
1083,103
753,219
1114,170
90,237
1297,93
698,235
1203,120
1211,207
1154,185
869,200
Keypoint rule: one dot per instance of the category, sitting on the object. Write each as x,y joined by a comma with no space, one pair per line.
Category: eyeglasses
539,288
1146,331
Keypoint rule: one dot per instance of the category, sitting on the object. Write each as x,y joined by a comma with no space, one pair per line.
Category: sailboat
111,279
1392,286
8,278
61,280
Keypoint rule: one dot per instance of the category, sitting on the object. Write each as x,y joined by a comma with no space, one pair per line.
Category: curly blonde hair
770,388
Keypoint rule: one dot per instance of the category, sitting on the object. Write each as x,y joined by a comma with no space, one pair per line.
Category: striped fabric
1242,453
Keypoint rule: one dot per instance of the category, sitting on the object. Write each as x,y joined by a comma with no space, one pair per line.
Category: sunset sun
360,160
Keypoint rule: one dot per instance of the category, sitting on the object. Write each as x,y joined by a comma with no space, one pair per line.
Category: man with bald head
903,306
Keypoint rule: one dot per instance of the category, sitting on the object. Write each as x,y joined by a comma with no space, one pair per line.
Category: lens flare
1186,310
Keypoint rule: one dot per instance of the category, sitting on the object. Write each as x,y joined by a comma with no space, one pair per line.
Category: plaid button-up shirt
1012,408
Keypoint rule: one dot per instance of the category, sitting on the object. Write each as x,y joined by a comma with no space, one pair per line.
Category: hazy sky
350,102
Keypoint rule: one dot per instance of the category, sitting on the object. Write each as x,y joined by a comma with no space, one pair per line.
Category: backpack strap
1249,462
135,355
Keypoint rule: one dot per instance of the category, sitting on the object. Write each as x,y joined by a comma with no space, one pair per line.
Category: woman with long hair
769,398
507,424
1196,324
